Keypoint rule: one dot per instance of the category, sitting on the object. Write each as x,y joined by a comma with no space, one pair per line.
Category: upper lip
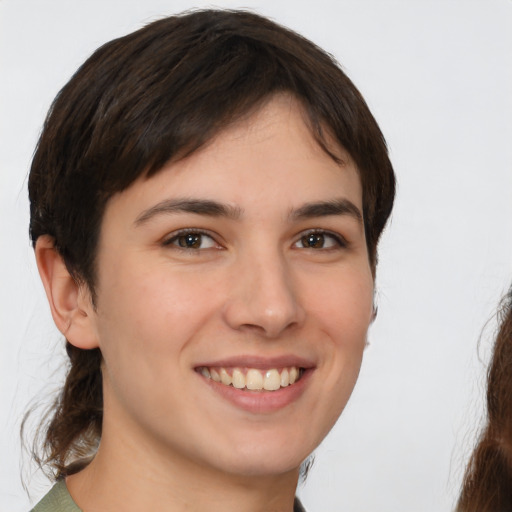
259,362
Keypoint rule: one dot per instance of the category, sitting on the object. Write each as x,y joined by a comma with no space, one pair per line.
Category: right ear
70,302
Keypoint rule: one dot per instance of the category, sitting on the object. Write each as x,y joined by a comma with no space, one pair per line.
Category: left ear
70,302
374,313
372,319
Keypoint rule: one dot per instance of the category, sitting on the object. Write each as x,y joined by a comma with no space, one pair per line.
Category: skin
251,288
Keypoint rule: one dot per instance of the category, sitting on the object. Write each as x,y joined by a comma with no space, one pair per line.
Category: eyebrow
327,208
215,209
197,206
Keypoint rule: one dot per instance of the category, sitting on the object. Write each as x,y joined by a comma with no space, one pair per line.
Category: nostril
256,329
268,330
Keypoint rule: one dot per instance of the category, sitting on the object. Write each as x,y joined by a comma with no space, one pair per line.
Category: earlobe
69,301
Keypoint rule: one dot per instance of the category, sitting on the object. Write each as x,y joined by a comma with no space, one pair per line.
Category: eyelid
338,237
171,237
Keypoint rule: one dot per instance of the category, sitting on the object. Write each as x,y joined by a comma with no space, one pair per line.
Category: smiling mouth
253,379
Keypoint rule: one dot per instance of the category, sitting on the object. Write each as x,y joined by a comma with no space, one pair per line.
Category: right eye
191,240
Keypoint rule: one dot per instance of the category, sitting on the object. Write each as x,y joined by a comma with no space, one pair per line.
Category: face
233,300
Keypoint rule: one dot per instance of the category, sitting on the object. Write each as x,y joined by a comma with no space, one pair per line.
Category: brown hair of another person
487,485
155,96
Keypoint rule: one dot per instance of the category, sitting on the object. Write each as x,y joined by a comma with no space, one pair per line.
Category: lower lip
261,402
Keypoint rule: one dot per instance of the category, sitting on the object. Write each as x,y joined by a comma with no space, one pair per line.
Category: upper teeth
253,379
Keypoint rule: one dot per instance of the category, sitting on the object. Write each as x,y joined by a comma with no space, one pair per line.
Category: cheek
148,318
343,311
343,304
156,304
145,322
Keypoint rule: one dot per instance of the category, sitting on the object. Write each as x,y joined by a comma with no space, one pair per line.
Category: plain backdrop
438,77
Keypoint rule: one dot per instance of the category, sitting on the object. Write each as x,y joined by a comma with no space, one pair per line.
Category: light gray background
438,77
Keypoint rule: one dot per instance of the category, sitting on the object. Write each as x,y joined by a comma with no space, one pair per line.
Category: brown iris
313,240
190,240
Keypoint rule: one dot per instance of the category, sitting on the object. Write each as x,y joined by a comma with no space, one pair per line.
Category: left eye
318,240
192,240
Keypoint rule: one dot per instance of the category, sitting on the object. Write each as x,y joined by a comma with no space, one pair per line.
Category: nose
263,297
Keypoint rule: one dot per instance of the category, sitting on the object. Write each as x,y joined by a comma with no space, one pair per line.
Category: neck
131,476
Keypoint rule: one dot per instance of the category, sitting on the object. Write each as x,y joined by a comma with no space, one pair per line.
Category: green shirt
59,500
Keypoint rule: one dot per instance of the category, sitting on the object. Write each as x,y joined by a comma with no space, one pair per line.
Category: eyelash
339,240
184,232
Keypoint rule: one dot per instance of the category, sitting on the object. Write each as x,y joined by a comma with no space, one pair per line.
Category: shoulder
57,500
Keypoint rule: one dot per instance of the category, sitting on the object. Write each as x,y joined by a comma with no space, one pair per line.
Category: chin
268,458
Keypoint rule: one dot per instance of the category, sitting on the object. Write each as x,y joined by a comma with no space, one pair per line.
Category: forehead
269,159
283,116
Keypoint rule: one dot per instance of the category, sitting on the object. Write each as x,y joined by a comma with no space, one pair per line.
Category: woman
487,484
207,197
